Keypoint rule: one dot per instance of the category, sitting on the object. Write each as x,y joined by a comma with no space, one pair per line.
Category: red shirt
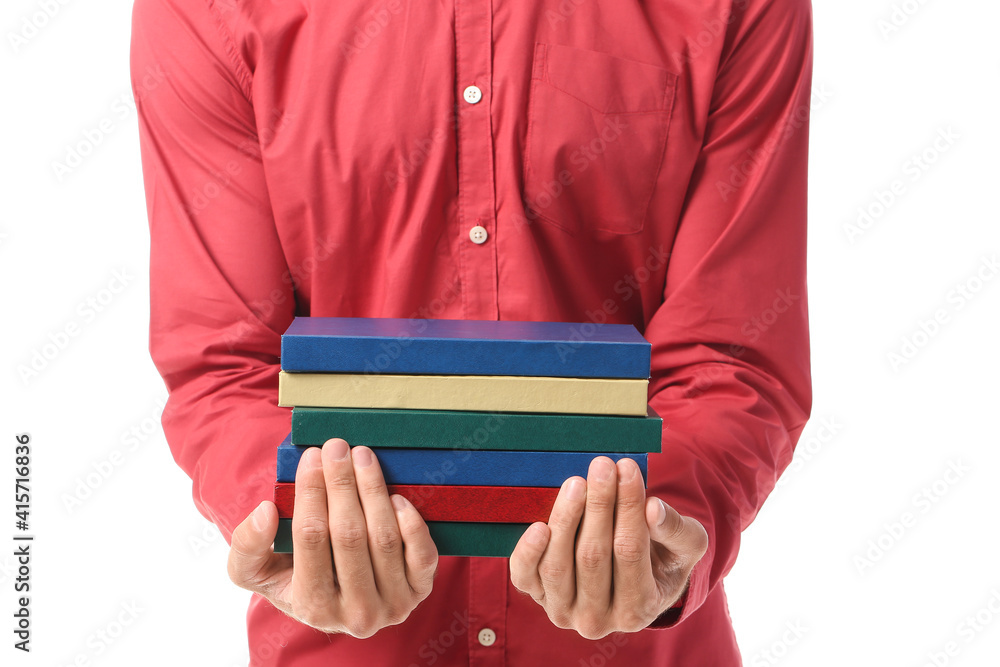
576,160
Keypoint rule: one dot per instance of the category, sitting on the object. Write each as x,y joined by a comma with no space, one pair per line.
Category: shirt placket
487,612
475,230
475,226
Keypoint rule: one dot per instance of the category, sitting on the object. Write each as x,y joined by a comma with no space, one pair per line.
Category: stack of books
477,423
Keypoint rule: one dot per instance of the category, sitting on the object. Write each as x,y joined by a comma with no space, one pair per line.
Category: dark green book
451,538
453,429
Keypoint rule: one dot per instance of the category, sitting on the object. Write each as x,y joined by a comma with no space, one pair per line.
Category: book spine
496,540
470,468
493,393
445,429
386,355
474,504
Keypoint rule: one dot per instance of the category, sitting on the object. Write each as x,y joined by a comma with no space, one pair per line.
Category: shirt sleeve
730,351
221,292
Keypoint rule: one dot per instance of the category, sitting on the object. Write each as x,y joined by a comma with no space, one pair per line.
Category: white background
870,552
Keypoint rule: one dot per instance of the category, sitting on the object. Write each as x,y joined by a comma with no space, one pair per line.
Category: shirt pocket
597,131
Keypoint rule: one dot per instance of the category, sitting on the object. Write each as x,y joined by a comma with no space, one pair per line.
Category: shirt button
472,94
478,234
487,637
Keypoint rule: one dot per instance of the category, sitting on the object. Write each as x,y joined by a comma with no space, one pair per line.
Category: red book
481,504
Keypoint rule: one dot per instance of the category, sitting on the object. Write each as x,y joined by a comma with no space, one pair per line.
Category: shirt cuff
688,602
672,615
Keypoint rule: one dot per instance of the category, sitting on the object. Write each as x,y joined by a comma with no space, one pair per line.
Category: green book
451,538
454,429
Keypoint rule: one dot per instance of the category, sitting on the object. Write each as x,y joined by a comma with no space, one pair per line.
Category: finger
419,551
557,570
252,564
633,574
313,584
348,533
684,536
525,559
594,544
384,542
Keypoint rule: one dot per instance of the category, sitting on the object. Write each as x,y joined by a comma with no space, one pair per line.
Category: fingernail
257,518
602,469
575,489
661,514
336,450
311,459
362,457
536,535
399,503
631,470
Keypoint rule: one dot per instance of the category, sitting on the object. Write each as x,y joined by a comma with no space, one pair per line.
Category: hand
361,561
631,561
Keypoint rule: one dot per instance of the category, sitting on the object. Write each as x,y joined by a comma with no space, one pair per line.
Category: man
588,161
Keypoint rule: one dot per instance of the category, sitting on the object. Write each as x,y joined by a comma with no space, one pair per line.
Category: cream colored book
500,393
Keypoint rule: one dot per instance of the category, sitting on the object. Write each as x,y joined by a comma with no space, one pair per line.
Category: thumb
250,550
683,536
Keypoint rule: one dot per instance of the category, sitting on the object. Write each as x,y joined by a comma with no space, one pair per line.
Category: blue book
464,347
468,467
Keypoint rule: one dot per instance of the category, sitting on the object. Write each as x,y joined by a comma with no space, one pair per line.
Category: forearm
223,430
218,300
730,364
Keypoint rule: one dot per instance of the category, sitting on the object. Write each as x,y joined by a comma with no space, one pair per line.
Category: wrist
672,614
